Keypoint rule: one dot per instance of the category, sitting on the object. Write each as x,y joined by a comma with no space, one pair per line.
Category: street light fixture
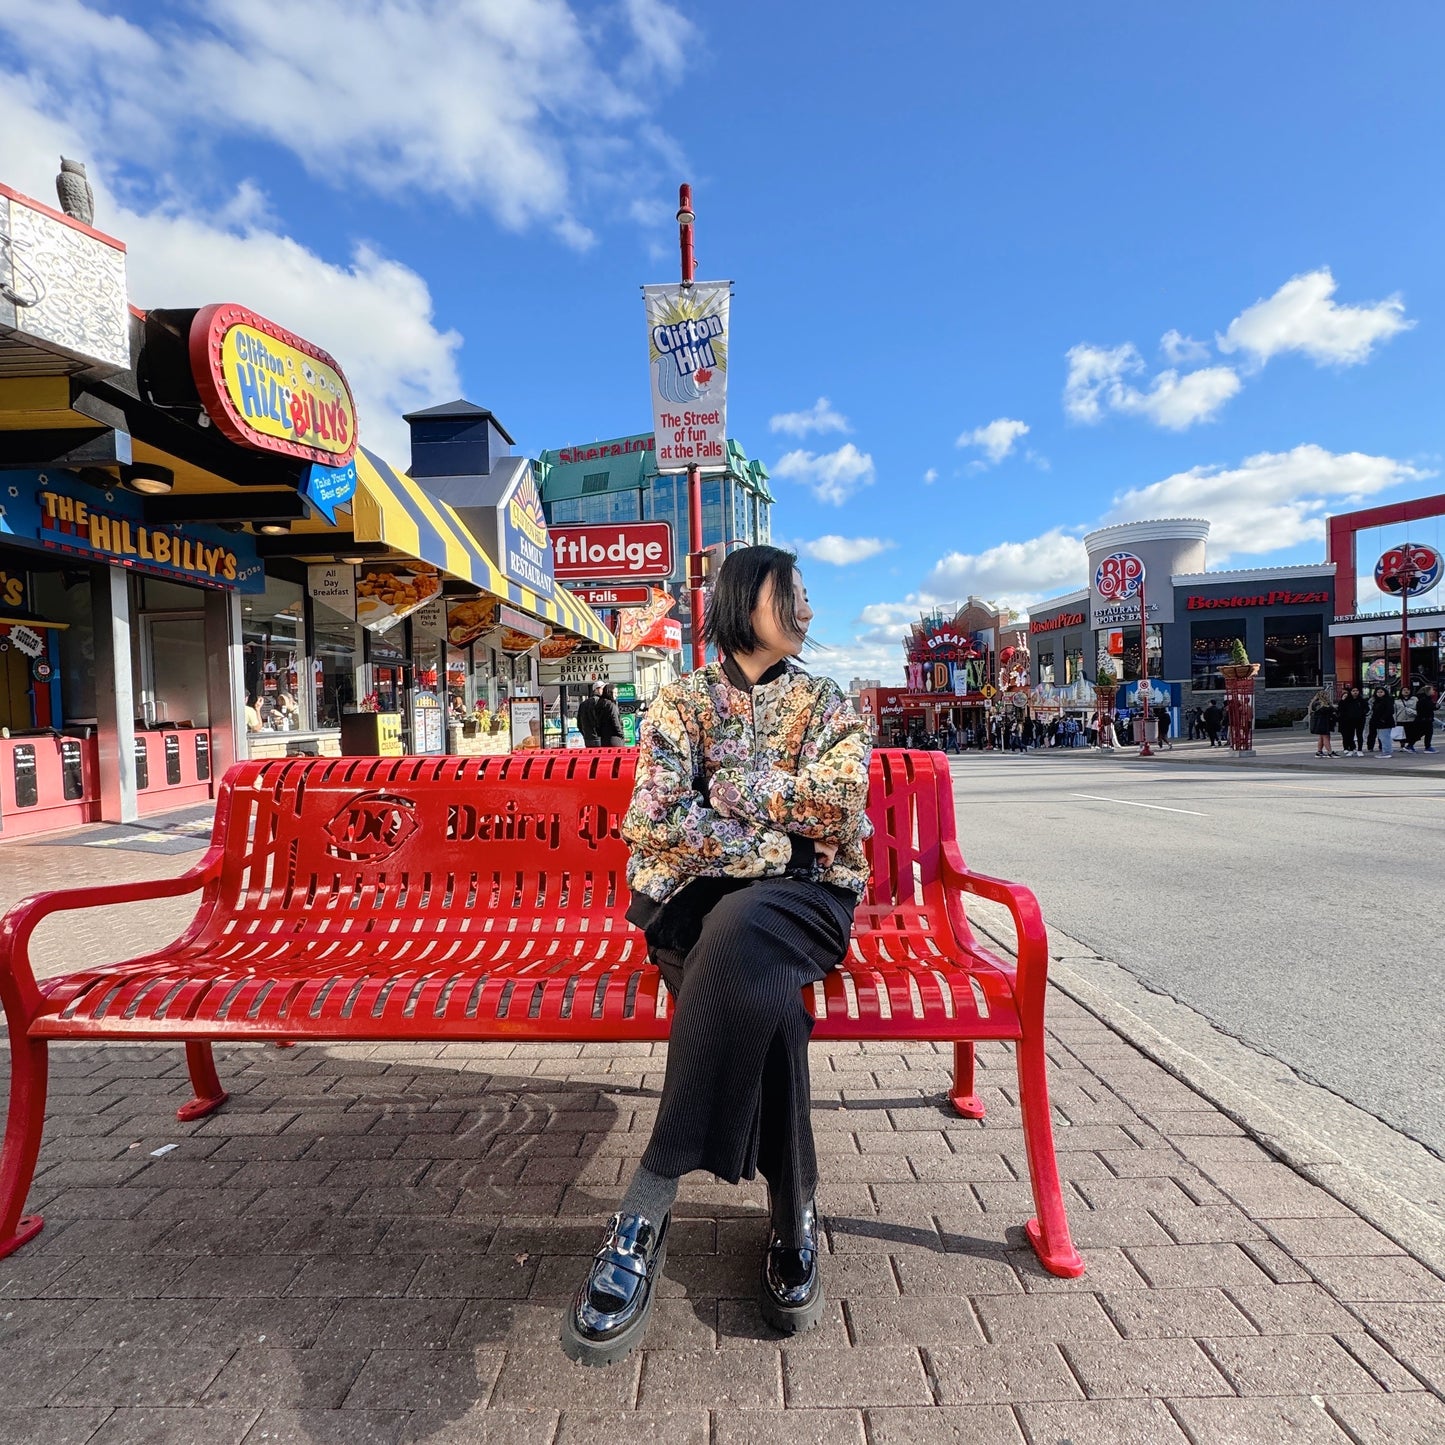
148,478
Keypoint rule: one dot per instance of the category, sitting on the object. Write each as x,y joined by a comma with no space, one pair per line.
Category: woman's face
769,631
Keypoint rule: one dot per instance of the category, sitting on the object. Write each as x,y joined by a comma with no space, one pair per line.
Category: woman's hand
824,853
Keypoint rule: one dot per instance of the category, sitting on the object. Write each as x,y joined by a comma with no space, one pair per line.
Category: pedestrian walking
587,716
1382,721
1425,716
1322,717
1162,719
746,826
1352,712
609,720
1213,721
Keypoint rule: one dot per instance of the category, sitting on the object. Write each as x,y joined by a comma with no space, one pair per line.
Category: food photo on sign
467,621
390,591
636,623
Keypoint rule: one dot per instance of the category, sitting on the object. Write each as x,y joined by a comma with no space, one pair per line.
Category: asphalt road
1299,913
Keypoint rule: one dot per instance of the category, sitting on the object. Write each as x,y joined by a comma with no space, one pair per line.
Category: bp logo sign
1119,576
1408,570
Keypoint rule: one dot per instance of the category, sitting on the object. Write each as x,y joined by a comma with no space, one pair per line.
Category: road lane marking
1124,803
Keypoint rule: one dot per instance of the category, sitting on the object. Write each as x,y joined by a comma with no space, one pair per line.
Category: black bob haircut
735,592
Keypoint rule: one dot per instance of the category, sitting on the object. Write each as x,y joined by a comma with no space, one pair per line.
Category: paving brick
362,1275
237,1237
1331,1236
25,1385
1392,1420
1167,1193
260,1376
1207,1224
1259,1422
481,1425
138,1322
268,1275
740,1323
956,1274
50,1425
944,1425
609,1427
1107,1268
327,1427
451,1379
1104,1228
1197,1264
116,1276
1160,1368
745,1377
144,1375
1385,1280
1101,1422
32,1324
1175,1314
1412,1328
391,1324
1009,1319
864,1376
1274,1191
564,1385
1281,1365
997,1374
279,1323
1381,1364
788,1427
180,1424
931,1320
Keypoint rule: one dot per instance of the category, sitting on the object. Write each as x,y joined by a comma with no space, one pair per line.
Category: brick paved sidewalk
375,1244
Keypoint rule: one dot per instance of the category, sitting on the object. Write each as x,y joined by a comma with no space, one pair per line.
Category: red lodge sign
268,389
612,551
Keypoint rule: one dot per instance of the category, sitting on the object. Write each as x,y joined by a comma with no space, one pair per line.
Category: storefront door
173,670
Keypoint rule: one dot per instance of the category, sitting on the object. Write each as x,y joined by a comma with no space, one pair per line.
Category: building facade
1282,615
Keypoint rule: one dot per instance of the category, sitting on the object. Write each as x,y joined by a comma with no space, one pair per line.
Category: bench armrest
1032,938
17,977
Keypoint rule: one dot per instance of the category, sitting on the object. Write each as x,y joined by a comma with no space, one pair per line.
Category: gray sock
650,1195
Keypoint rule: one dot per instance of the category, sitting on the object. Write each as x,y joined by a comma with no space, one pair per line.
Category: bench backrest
534,838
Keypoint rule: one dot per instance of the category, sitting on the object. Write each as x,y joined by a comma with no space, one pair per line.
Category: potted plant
1239,667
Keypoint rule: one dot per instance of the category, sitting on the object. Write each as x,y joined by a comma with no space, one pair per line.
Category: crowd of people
1374,722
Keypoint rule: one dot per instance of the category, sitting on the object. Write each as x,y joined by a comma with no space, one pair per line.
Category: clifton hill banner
687,352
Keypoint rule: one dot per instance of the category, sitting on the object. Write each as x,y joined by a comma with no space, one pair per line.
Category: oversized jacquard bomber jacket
730,779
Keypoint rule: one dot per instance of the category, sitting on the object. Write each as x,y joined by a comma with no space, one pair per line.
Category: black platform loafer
609,1316
792,1283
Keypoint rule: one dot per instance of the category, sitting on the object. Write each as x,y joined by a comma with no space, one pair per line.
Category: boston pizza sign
268,389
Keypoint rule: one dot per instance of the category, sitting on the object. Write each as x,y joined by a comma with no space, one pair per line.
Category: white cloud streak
821,417
844,551
996,438
1096,384
832,476
1302,316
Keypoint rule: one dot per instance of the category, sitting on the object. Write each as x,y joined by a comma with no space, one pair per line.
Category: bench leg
205,1081
29,1072
961,1095
1048,1232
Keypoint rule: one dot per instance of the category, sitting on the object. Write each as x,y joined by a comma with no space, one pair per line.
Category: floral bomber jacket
730,781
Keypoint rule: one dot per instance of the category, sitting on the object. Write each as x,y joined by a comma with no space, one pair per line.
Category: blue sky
1195,253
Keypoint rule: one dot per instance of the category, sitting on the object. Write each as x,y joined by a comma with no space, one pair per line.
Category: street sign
613,596
612,551
988,689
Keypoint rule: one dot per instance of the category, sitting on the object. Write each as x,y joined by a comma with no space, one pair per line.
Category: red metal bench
423,899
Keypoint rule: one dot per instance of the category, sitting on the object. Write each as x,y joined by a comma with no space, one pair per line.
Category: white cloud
373,314
996,439
1180,350
1012,573
466,104
1301,316
1096,384
833,476
1271,500
842,551
930,476
820,417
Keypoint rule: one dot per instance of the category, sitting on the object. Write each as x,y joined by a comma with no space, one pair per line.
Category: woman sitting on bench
746,826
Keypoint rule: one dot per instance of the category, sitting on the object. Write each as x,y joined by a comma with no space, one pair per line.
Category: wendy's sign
268,389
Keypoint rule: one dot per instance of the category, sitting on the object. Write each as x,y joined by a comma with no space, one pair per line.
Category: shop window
1292,651
272,651
461,694
64,596
1046,667
1073,665
335,661
1210,644
1121,646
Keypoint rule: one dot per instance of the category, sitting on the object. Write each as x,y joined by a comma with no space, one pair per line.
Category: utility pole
685,219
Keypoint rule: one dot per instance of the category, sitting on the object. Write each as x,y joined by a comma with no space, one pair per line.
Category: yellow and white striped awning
390,507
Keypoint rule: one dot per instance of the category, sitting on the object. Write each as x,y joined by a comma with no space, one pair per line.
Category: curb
1388,1179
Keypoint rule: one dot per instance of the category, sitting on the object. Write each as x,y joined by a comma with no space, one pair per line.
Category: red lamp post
685,219
1143,689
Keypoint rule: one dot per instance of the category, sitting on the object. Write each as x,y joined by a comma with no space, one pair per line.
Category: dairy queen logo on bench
371,827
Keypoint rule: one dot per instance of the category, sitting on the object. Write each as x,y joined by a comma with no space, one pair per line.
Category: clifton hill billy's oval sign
267,388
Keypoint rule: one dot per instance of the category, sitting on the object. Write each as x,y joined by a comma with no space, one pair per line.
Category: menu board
526,723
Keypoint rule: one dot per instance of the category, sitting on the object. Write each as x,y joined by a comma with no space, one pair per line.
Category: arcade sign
1408,570
268,389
